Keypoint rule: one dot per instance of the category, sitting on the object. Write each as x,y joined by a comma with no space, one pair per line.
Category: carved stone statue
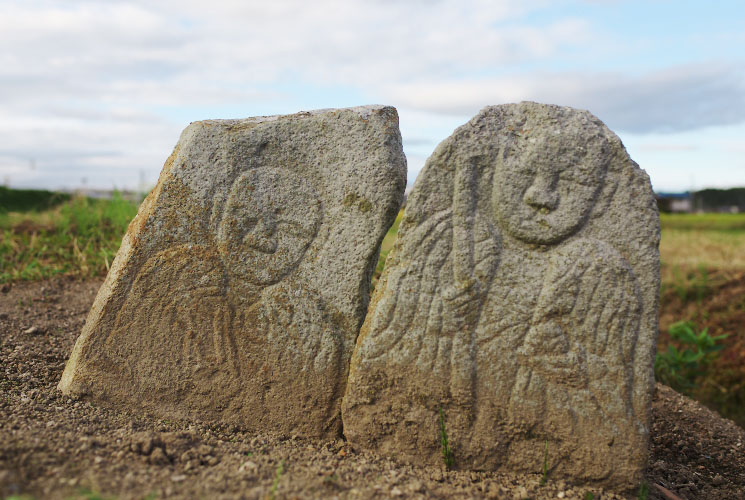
242,282
521,299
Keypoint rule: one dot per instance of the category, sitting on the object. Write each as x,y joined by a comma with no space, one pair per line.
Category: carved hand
544,338
547,350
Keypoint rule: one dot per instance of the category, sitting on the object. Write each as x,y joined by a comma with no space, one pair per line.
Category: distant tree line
23,200
706,200
718,200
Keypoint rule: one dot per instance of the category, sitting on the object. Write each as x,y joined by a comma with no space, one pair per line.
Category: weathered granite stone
241,285
521,298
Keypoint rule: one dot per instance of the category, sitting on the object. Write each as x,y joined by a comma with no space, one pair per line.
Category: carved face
544,190
270,219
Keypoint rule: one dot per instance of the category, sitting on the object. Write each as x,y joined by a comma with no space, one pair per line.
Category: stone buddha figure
507,305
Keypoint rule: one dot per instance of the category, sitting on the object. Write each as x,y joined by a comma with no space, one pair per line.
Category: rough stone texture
521,298
241,285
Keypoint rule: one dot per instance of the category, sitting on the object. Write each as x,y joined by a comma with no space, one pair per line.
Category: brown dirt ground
55,447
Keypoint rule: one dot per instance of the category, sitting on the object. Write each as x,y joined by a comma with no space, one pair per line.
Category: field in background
703,272
692,242
77,237
703,281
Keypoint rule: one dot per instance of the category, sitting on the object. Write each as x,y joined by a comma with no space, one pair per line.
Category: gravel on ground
55,447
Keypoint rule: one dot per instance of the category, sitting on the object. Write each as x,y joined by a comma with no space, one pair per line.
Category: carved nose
261,237
542,194
266,225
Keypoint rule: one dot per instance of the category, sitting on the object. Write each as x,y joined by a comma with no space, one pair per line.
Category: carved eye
526,169
249,222
578,175
295,229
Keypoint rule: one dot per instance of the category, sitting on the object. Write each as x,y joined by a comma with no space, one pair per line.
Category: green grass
703,222
696,241
79,237
447,453
643,491
688,285
277,479
87,494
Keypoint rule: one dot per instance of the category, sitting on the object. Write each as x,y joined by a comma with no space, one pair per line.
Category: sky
95,94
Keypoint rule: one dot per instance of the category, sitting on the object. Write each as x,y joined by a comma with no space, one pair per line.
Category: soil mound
53,447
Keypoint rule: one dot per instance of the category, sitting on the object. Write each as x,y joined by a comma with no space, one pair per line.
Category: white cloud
675,99
86,83
90,83
94,47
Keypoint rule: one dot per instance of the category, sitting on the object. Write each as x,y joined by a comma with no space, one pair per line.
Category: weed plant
78,238
682,367
277,479
643,491
447,453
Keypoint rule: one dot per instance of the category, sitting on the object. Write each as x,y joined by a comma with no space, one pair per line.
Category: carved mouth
543,223
263,245
532,222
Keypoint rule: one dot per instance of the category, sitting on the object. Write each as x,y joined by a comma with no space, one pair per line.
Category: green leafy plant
590,496
447,453
680,368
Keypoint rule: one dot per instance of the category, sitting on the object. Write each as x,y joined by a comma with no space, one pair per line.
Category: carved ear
604,198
